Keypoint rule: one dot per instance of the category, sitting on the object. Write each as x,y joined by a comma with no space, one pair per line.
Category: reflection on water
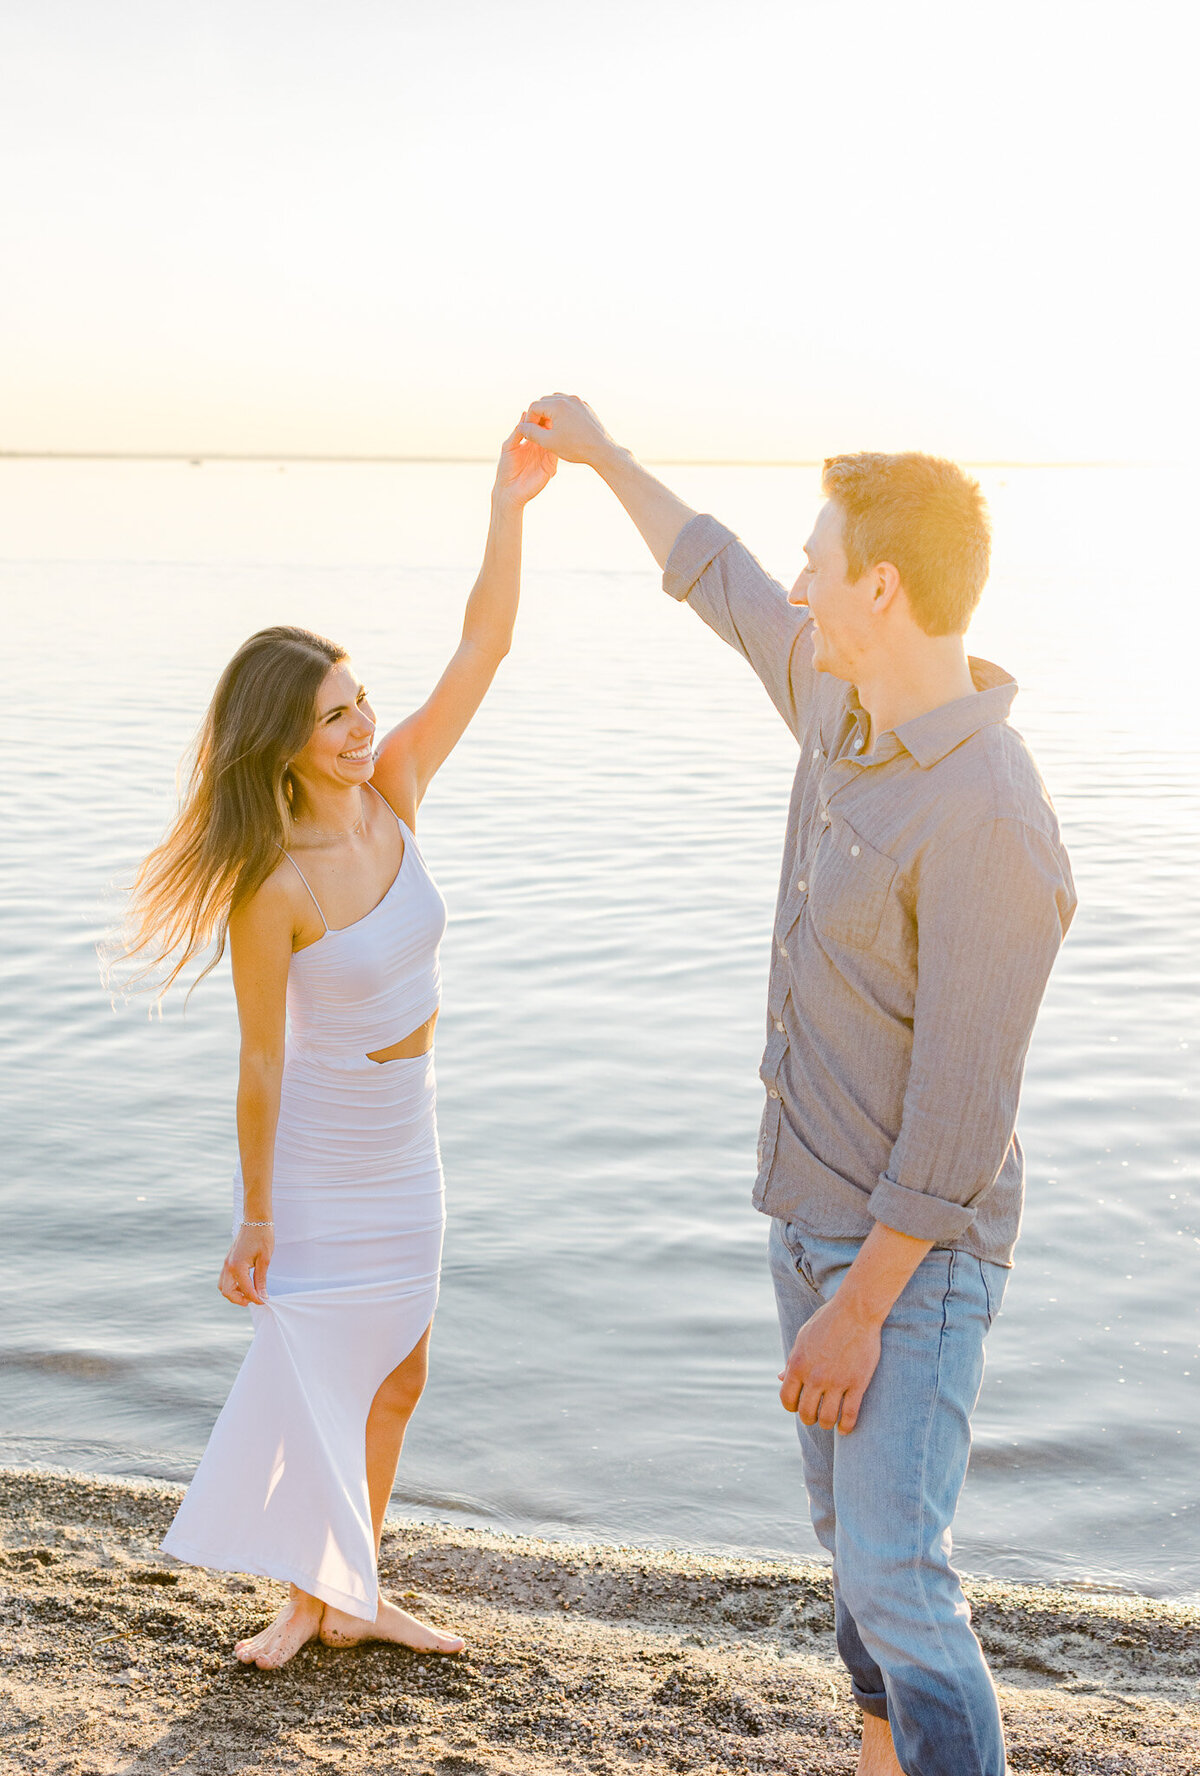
608,840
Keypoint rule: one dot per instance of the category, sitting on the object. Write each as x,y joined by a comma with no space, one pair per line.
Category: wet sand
579,1659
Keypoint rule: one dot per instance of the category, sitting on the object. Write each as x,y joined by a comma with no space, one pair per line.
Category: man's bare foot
878,1754
297,1622
391,1623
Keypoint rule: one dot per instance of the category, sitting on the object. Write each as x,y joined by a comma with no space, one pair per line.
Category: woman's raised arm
410,755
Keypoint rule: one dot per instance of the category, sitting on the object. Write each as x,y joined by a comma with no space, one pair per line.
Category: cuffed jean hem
876,1705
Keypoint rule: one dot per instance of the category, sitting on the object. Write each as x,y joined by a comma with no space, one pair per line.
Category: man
924,895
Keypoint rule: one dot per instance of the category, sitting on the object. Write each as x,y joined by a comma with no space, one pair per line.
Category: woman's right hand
244,1272
524,468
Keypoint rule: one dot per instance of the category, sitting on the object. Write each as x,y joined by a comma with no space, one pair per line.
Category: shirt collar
929,737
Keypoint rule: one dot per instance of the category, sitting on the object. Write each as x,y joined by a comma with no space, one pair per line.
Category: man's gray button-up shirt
924,894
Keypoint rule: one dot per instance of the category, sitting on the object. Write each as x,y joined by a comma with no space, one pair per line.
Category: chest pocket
848,886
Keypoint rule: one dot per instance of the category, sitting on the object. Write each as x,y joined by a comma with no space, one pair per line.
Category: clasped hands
566,426
557,426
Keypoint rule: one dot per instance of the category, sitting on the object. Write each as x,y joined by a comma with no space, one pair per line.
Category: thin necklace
339,832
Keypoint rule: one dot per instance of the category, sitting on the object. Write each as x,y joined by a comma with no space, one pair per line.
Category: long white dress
359,1213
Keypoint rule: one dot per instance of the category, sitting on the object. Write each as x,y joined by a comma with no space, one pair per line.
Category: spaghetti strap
406,831
389,807
304,879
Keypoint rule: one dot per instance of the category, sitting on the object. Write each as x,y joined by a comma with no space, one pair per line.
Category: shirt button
779,1024
858,744
771,1092
825,816
854,849
816,752
803,887
783,952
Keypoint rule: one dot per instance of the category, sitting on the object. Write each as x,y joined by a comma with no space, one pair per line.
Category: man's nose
797,595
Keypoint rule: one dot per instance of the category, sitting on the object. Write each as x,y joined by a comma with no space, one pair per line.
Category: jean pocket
821,1260
995,1281
793,1236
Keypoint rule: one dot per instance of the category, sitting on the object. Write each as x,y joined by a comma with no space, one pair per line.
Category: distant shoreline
579,1657
197,458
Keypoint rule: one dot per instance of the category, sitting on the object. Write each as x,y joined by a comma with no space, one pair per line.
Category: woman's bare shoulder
272,907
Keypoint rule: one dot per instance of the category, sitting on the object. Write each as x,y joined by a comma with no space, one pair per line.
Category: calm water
608,838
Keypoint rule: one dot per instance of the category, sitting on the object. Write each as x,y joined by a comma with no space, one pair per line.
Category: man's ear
887,588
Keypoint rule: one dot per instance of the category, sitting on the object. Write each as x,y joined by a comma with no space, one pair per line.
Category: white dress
359,1213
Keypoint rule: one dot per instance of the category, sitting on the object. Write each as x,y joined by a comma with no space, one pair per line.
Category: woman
296,839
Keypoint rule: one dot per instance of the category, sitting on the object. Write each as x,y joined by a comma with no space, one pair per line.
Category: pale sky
766,229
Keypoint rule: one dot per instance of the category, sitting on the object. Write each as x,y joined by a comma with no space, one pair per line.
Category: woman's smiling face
339,749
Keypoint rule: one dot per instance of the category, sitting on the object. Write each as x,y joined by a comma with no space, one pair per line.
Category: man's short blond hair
926,517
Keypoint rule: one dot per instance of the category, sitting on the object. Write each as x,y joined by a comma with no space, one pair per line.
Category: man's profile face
838,604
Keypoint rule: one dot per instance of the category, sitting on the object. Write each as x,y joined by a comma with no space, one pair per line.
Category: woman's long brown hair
236,810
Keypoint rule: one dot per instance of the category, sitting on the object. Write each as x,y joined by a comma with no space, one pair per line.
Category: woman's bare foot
391,1623
297,1622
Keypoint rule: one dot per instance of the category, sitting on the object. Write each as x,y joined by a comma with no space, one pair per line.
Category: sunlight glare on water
608,839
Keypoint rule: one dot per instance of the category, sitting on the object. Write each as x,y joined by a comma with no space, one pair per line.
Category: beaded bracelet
258,1224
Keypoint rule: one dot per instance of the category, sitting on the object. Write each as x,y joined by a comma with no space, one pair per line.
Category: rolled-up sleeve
723,583
996,904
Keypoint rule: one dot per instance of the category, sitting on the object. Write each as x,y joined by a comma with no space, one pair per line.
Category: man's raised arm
705,565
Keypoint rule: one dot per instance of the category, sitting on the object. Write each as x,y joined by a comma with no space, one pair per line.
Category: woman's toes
280,1640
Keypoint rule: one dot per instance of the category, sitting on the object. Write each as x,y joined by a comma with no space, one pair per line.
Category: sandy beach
579,1658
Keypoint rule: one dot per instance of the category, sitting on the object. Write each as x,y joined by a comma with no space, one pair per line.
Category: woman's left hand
523,470
244,1272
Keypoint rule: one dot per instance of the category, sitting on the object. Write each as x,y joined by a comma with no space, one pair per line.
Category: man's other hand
567,426
830,1367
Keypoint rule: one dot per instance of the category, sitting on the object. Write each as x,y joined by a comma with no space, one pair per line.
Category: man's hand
567,426
837,1351
830,1367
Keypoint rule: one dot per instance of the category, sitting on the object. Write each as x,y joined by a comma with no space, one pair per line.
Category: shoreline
580,1657
1078,1576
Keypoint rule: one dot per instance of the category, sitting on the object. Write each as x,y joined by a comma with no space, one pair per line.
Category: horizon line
197,458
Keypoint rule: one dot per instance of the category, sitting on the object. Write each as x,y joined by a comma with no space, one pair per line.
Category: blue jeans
883,1498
